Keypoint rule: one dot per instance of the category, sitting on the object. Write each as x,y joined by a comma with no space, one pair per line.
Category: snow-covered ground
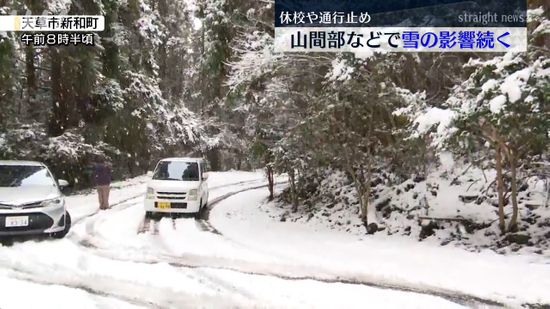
454,205
107,261
400,261
116,259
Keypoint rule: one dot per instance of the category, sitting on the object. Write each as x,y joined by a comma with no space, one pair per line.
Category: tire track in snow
28,277
92,287
295,273
125,203
202,221
454,296
120,205
197,262
130,292
205,226
150,224
140,195
154,225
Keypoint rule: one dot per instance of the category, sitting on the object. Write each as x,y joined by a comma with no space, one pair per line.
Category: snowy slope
380,258
456,205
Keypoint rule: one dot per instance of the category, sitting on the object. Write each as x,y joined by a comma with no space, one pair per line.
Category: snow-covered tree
504,103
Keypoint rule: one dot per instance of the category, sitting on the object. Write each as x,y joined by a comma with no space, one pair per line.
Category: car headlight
53,202
193,194
150,193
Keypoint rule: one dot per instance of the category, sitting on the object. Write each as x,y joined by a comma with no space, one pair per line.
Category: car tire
198,214
67,228
149,214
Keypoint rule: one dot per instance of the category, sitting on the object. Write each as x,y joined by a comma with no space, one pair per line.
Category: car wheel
197,215
148,214
65,231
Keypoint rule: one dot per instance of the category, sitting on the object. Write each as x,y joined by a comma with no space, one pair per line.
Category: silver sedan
31,202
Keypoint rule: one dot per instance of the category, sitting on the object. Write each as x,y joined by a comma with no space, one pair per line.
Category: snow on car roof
183,159
15,162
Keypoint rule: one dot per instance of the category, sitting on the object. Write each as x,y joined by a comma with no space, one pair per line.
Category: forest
200,77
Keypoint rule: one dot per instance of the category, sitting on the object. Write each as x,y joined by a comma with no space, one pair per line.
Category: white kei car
178,185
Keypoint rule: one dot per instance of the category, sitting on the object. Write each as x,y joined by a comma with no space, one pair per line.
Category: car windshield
177,171
24,176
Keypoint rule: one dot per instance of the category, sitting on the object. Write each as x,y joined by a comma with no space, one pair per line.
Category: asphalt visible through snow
91,245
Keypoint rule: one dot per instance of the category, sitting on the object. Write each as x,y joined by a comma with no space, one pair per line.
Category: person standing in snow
102,181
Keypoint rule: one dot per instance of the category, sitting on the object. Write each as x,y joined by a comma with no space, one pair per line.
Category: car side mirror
62,183
150,174
204,176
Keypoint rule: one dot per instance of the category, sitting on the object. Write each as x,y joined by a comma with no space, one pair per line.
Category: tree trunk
359,184
32,84
362,202
293,195
500,189
365,207
213,156
513,225
239,159
366,194
270,181
361,189
547,200
60,115
34,109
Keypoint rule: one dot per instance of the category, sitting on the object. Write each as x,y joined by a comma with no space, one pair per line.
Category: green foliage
258,150
9,80
123,98
511,94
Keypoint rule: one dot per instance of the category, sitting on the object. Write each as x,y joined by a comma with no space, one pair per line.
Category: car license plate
17,221
163,205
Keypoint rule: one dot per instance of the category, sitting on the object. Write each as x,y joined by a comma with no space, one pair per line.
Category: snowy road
236,258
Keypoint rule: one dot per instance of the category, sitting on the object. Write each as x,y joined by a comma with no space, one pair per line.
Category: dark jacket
102,174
